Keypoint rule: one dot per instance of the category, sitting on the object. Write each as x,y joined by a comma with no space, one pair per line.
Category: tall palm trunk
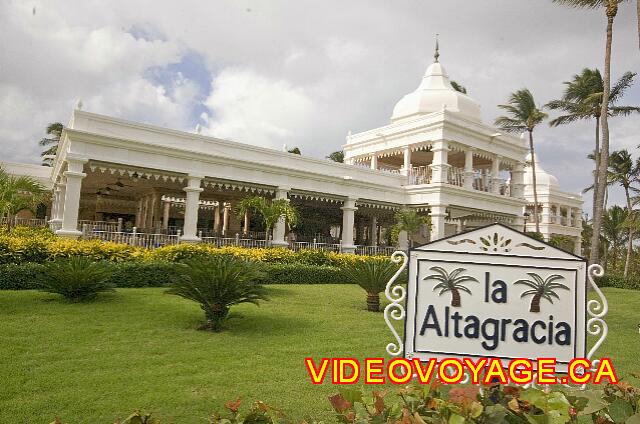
535,304
534,181
455,297
612,10
630,235
597,161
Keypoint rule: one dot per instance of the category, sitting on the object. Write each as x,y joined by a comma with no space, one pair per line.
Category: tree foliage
269,210
18,193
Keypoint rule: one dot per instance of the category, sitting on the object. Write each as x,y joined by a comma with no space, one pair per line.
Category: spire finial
436,55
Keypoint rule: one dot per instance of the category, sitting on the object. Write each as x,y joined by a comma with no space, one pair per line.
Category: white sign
495,292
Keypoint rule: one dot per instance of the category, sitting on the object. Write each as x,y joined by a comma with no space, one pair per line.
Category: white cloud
301,73
254,109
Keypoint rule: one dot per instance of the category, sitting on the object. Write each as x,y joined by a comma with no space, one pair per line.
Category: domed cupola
434,93
543,178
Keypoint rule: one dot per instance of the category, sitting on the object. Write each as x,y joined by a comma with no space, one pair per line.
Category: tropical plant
373,277
217,284
337,156
459,87
453,282
410,221
269,210
18,193
582,100
77,279
611,10
50,143
613,232
623,171
563,242
541,289
523,115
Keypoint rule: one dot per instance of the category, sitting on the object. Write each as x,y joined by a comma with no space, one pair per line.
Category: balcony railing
25,222
133,238
419,175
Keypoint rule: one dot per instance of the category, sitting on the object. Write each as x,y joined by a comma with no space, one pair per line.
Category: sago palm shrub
217,284
372,276
77,279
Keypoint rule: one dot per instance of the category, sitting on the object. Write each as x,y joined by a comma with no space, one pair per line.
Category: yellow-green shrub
29,245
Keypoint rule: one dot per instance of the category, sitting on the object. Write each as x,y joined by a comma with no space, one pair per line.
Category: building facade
435,155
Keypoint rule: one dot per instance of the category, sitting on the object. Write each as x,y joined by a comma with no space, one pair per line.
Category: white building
435,155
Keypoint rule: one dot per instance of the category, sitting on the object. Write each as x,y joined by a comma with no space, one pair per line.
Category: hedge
618,281
20,276
302,274
158,274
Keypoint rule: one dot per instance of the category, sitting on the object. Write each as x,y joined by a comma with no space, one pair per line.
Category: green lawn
138,348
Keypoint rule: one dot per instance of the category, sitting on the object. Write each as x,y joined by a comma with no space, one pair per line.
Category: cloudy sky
298,72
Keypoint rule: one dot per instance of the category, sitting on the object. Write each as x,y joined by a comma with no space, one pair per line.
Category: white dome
543,178
435,93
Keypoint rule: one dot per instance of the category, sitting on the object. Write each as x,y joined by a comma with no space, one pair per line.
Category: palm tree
337,156
408,220
611,10
217,284
623,171
613,234
459,87
582,101
372,276
524,115
54,131
270,210
541,289
453,282
17,194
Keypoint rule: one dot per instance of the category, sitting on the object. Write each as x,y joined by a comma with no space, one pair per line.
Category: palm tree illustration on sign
453,282
541,289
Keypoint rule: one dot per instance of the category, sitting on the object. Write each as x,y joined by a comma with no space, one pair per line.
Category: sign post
497,293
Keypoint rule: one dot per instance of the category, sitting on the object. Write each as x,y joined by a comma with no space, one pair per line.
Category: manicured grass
139,348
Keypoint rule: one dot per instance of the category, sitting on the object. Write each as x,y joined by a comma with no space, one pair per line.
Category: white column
440,164
63,193
216,219
546,213
517,181
165,214
245,229
495,175
348,213
191,207
468,169
373,229
139,214
406,166
225,218
438,215
280,227
374,161
74,176
577,249
56,205
153,204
